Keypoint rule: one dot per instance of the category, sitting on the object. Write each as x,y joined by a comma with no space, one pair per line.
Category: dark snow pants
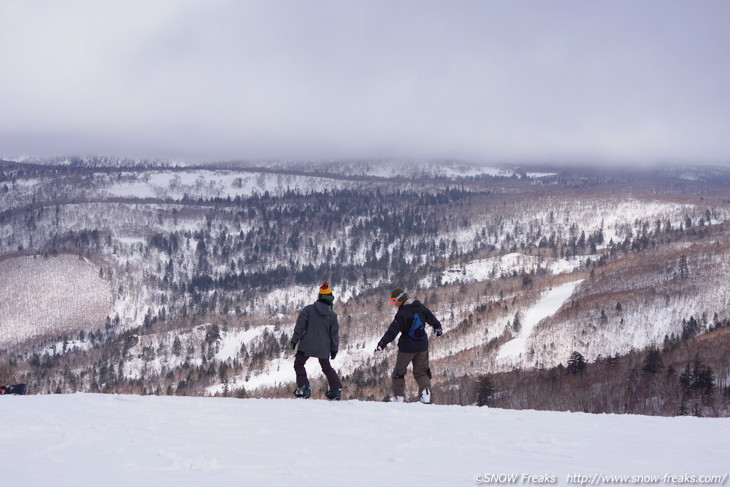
421,372
332,378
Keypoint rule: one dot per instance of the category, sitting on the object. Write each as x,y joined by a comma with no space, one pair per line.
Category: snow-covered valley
187,280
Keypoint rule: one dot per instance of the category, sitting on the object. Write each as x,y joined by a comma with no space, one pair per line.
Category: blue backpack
417,331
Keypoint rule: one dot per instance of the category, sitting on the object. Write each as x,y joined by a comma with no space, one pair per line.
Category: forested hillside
187,280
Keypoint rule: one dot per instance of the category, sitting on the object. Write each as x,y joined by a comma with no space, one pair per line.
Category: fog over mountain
564,81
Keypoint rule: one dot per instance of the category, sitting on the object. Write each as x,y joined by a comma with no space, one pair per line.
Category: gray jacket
317,331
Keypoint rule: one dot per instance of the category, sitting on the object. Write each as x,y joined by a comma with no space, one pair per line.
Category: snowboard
19,389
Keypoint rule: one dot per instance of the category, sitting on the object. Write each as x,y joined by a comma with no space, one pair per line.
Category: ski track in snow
548,305
92,440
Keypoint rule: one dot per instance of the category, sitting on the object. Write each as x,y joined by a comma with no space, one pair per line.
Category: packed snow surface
92,440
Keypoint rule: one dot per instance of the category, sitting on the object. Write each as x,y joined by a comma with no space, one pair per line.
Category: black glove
439,332
379,348
292,345
333,355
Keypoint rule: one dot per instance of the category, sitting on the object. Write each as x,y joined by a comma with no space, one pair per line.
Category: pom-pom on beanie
325,288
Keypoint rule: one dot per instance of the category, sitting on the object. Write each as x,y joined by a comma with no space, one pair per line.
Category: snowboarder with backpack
410,321
317,332
18,389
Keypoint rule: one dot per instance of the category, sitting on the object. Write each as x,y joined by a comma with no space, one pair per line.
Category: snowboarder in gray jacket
317,333
410,322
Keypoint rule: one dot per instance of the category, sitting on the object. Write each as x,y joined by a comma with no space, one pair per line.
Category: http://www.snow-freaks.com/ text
598,479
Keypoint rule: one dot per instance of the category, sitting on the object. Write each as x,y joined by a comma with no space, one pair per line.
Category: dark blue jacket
402,323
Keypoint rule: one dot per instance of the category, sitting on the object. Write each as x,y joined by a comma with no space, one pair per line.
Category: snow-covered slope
217,184
547,306
53,295
91,440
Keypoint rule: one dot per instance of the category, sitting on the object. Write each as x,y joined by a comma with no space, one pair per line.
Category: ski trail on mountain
548,305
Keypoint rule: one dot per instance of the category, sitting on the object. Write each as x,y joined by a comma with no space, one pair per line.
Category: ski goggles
397,298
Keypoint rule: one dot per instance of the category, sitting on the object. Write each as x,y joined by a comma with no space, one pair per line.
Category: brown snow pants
332,378
421,371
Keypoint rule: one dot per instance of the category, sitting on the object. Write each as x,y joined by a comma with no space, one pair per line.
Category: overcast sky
514,81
